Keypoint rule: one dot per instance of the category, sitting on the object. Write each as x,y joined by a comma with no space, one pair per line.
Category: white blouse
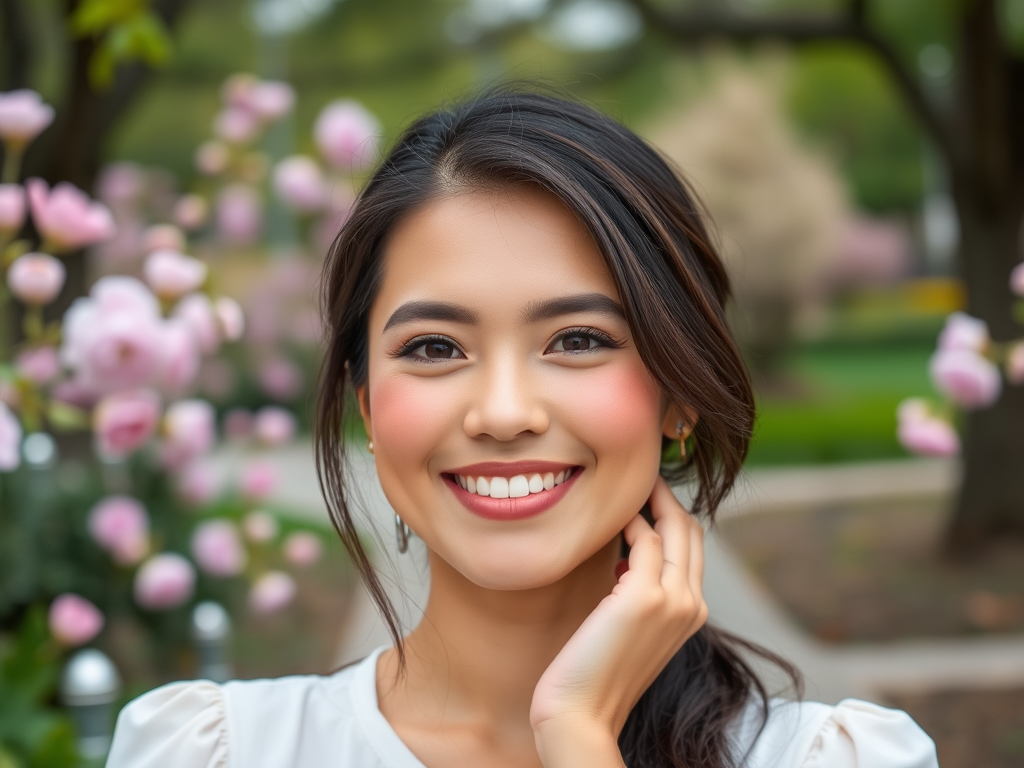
313,721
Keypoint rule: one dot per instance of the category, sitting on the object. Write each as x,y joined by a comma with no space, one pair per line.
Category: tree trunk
990,501
988,186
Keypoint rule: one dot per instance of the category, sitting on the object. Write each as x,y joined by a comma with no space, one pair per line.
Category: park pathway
737,602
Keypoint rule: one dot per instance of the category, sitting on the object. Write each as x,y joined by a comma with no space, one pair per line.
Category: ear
363,396
670,427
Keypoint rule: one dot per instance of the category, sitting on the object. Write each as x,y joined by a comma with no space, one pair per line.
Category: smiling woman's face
516,429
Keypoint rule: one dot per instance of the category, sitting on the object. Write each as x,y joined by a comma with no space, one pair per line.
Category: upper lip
510,468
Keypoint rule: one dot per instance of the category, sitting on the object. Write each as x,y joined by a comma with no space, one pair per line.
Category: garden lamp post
89,687
211,631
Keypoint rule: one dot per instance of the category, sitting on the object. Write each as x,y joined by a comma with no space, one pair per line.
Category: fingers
645,548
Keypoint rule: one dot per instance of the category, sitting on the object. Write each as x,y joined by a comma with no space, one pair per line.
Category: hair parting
673,289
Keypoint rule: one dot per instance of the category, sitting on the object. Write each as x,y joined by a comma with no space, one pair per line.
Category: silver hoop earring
402,534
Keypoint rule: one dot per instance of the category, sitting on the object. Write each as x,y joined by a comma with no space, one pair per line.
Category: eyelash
602,338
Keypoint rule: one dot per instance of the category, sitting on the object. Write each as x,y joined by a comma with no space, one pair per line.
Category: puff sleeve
863,735
177,724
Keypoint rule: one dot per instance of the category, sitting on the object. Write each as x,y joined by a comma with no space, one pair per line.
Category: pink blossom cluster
921,431
347,137
120,525
959,368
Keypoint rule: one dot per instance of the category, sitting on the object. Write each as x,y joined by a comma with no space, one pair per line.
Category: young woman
529,310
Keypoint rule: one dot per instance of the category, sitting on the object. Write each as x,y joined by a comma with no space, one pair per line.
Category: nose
505,403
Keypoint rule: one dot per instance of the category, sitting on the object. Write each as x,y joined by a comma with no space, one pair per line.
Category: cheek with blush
409,421
618,409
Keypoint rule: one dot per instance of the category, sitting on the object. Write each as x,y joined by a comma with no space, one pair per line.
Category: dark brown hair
673,288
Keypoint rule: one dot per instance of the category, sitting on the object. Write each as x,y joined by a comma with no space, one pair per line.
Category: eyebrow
534,312
431,310
568,305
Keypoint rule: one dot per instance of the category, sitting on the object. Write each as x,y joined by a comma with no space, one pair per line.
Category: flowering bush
967,369
122,533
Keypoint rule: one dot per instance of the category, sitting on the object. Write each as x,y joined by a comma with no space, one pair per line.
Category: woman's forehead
492,249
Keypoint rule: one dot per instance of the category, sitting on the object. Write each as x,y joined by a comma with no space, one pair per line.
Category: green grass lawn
848,411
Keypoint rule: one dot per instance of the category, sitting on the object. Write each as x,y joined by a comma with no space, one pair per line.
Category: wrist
576,742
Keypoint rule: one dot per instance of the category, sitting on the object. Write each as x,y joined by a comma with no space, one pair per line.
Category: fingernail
621,567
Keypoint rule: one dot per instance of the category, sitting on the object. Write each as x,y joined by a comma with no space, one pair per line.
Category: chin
516,563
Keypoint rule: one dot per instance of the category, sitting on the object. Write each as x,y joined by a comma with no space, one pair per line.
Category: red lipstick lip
510,468
510,509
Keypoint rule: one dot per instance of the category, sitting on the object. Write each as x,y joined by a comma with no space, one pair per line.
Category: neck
478,653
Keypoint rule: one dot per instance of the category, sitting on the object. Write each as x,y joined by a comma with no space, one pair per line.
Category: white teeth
518,487
513,487
499,488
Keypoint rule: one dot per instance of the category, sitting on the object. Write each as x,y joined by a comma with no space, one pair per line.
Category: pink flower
190,212
238,423
238,214
189,432
1017,280
274,425
12,208
231,317
172,274
120,525
36,278
74,620
217,548
74,392
23,116
163,237
929,437
164,581
196,311
1015,364
302,549
238,89
300,184
965,377
271,592
180,359
260,527
66,217
346,135
258,480
280,378
212,158
124,421
38,364
197,484
272,99
964,332
121,183
236,126
114,338
10,439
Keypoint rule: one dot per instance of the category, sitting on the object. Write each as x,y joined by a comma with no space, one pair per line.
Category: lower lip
511,509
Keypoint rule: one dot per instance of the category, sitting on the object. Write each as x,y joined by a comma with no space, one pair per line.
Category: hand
588,691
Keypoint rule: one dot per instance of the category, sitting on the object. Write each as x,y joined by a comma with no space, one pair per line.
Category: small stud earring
402,533
369,445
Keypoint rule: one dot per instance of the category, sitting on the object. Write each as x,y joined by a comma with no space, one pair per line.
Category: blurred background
862,161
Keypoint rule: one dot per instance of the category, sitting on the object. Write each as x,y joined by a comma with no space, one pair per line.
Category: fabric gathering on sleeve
863,735
180,724
851,734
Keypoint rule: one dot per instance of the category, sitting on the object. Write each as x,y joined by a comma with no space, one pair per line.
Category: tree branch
799,30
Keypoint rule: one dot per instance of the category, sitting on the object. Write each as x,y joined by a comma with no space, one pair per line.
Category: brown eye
576,343
438,350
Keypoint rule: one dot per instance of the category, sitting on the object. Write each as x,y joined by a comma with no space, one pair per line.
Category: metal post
89,687
211,631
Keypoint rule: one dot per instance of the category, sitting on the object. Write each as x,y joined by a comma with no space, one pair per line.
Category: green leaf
1018,312
7,760
93,17
65,416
